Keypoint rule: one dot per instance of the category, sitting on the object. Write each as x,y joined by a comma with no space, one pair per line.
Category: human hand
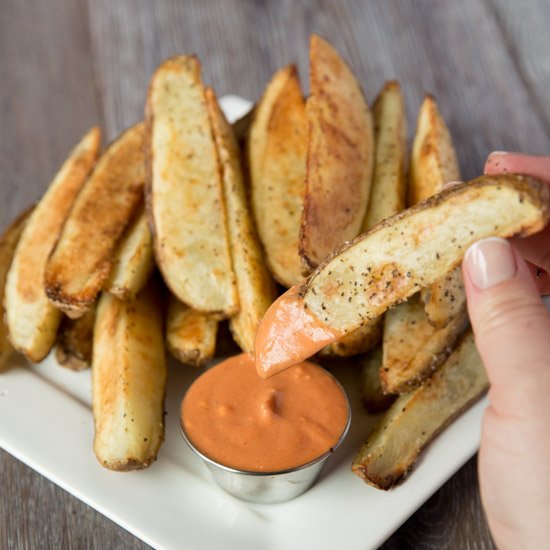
512,331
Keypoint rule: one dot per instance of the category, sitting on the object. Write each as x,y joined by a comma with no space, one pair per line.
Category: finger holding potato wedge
133,260
190,334
254,283
277,147
185,198
417,417
81,260
31,318
128,380
339,156
433,164
387,196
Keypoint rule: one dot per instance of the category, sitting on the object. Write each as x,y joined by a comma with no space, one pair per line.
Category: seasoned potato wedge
254,283
8,243
387,196
276,156
361,340
434,163
340,155
417,417
81,259
190,334
133,260
74,344
415,248
412,347
128,380
32,319
185,193
433,157
373,398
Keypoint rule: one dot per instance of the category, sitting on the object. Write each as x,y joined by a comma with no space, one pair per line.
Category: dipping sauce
288,334
239,420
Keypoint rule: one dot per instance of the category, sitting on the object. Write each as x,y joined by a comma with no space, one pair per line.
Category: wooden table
68,64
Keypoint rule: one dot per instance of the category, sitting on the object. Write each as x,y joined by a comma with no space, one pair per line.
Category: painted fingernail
452,184
490,262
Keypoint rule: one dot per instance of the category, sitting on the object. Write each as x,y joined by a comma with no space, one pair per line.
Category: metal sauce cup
269,487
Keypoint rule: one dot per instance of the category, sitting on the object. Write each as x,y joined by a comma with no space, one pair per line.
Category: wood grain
65,65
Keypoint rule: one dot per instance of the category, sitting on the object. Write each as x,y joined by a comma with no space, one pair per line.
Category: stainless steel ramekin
269,487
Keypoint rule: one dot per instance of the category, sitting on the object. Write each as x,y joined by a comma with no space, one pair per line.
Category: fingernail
451,184
496,154
490,262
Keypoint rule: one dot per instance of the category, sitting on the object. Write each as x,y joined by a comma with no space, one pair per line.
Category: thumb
510,322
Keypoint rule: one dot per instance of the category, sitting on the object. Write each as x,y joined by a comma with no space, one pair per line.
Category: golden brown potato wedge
387,197
254,283
340,155
8,243
417,417
128,380
361,340
74,344
433,157
415,248
412,347
276,156
32,319
434,163
190,334
373,398
81,259
185,193
133,260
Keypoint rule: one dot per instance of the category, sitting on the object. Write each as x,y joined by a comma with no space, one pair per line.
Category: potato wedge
413,348
133,260
74,344
8,244
417,417
373,398
361,340
32,319
434,163
254,283
387,197
339,156
276,153
128,380
185,192
190,334
415,248
81,260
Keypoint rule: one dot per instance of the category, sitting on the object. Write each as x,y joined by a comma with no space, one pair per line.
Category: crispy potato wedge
387,197
417,417
434,163
340,155
361,340
32,319
415,248
133,260
128,380
81,260
254,283
74,344
276,153
190,334
8,244
433,157
373,398
412,347
185,199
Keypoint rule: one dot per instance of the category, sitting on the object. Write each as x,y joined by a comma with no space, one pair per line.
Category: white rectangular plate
46,421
